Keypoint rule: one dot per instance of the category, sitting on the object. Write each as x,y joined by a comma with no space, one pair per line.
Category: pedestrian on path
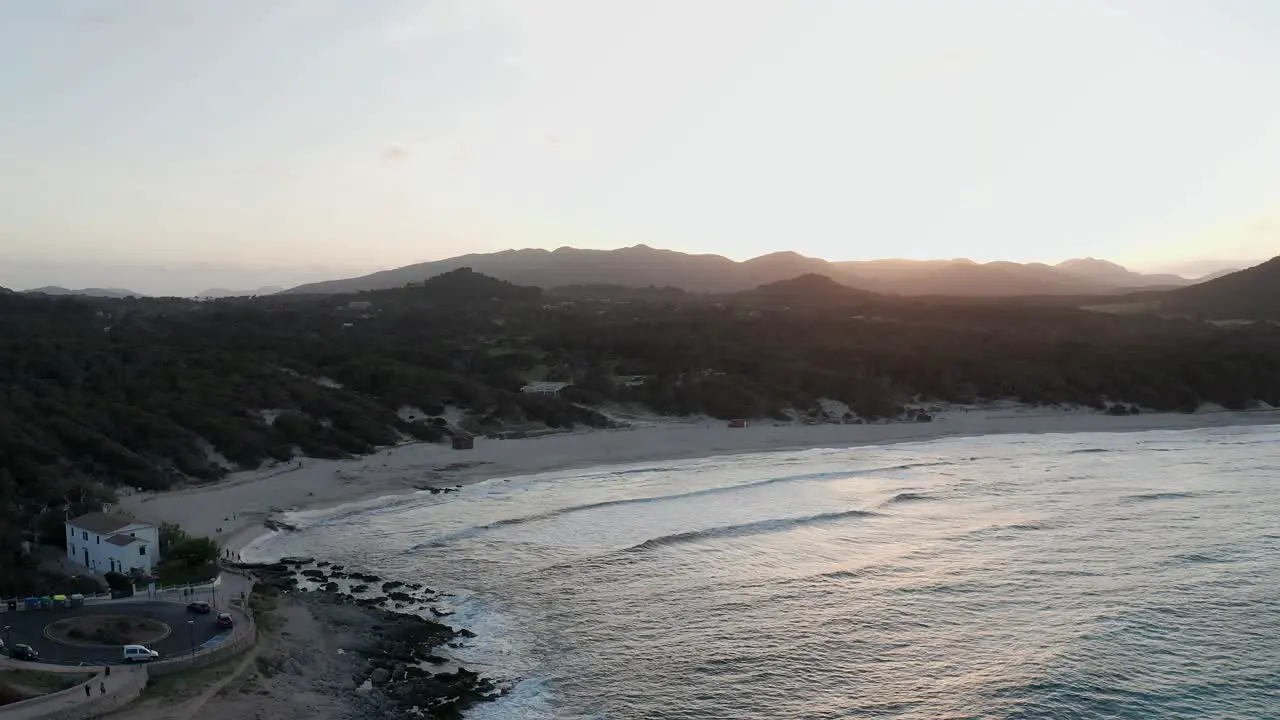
103,688
87,691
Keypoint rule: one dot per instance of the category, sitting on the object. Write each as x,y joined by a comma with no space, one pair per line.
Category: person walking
103,688
87,691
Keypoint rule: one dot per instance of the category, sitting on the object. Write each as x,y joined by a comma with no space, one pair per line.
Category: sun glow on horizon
1138,132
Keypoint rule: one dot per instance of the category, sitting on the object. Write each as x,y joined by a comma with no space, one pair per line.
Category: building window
71,531
84,535
97,539
142,550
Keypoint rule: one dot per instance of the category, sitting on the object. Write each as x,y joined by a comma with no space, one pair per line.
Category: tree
194,552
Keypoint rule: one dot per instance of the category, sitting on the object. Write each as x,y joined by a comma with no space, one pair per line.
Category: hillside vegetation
97,392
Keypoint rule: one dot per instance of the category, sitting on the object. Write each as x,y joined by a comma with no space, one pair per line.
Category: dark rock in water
336,574
415,586
466,633
323,563
393,653
313,573
386,586
401,596
297,560
331,587
337,567
441,613
359,589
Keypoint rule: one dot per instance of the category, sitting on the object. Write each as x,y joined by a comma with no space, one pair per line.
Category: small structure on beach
464,441
544,388
738,423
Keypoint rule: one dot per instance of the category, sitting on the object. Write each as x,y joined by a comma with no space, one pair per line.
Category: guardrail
193,590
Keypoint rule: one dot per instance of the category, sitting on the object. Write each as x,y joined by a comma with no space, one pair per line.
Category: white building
106,543
544,388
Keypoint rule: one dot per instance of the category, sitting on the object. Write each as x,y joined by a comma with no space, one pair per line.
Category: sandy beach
232,511
318,686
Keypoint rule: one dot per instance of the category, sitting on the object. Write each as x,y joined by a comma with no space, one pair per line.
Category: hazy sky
380,133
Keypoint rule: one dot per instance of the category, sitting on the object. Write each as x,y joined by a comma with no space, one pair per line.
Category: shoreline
233,511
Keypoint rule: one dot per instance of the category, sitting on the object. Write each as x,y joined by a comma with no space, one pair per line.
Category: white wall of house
92,550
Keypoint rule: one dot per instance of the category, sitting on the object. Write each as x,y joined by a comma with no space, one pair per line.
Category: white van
139,653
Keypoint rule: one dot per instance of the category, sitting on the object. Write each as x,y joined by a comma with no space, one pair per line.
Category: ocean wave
745,529
722,489
904,497
1150,497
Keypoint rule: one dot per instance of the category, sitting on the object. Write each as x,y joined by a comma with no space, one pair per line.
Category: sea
1101,575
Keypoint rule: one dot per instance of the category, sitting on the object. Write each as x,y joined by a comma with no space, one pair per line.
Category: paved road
28,628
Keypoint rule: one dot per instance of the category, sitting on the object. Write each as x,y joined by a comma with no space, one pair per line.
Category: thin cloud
395,154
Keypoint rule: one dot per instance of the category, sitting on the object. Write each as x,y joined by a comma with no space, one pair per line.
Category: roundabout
95,634
107,631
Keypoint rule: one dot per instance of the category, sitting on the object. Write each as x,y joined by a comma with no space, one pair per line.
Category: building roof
102,523
544,386
123,540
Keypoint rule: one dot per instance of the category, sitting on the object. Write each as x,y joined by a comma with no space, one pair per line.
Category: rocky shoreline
390,653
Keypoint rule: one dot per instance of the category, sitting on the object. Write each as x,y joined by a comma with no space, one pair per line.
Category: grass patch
19,685
108,630
189,683
263,603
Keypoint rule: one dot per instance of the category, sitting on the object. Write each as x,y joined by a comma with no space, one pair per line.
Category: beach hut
463,441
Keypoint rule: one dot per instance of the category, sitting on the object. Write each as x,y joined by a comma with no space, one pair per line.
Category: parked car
225,621
24,652
139,653
201,607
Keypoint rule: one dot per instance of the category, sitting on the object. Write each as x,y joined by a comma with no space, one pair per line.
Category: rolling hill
85,292
643,266
1249,294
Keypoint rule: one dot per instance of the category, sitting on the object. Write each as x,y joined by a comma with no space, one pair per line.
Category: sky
304,138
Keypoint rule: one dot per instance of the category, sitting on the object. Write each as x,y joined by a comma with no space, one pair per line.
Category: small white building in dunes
112,543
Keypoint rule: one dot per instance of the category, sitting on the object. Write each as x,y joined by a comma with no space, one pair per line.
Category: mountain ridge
643,266
84,292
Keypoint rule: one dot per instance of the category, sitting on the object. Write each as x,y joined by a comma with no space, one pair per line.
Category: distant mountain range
84,292
643,266
210,294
